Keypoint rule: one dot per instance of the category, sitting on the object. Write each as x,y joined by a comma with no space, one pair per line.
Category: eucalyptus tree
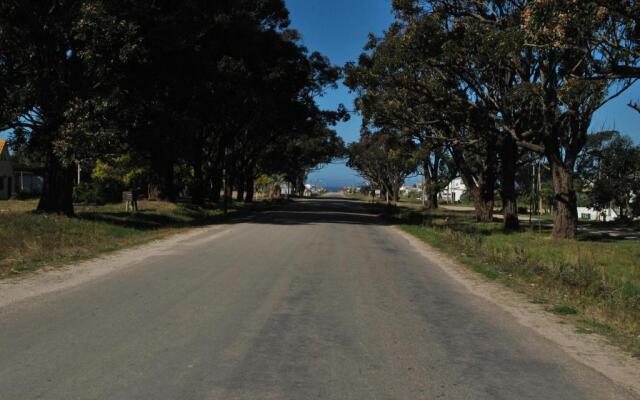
284,82
622,44
193,91
57,84
614,172
470,45
307,141
567,41
392,94
385,158
538,67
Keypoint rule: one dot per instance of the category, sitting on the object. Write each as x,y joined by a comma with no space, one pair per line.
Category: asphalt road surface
316,301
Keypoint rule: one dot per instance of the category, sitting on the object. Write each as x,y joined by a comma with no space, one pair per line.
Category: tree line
198,97
483,89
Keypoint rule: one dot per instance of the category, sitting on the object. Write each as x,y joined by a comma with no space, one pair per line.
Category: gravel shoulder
590,350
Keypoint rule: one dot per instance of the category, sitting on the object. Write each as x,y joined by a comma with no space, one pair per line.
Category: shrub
98,192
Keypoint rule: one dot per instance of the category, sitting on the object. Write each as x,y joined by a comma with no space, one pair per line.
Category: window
585,216
1,182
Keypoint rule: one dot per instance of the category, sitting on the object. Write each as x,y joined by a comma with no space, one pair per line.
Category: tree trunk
483,204
434,199
566,212
250,190
57,189
481,182
482,195
226,194
427,201
197,188
424,185
430,195
434,189
240,190
168,189
216,187
228,189
427,186
508,189
395,188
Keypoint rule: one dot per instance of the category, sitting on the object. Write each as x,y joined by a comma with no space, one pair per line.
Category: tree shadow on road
326,210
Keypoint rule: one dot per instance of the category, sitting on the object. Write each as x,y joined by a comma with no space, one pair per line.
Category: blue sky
339,29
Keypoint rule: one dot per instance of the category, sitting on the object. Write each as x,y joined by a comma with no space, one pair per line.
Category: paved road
317,301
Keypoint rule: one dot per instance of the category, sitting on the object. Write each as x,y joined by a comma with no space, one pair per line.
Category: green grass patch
597,277
31,240
565,310
600,326
487,272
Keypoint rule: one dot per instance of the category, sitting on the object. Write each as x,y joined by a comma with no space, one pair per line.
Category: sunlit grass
599,279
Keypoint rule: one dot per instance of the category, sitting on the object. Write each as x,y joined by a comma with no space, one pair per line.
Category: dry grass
31,240
7,206
600,278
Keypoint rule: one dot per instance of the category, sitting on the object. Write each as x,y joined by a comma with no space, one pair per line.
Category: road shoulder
590,350
54,279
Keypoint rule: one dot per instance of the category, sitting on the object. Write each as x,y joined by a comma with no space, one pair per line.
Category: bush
87,193
98,192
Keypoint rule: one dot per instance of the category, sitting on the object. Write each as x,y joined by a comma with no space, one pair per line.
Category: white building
411,191
453,192
591,214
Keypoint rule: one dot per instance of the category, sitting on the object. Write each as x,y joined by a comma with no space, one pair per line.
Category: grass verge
594,283
31,240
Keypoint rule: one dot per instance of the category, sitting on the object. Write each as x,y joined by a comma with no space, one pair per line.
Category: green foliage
110,178
495,80
205,87
616,176
385,159
123,170
564,310
89,193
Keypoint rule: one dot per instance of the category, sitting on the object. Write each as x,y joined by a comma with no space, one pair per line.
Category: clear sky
339,30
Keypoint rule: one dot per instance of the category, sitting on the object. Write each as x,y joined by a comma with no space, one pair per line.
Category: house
413,191
591,214
15,178
28,180
452,193
6,172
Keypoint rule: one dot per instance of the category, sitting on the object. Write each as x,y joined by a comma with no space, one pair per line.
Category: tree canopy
493,85
204,94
